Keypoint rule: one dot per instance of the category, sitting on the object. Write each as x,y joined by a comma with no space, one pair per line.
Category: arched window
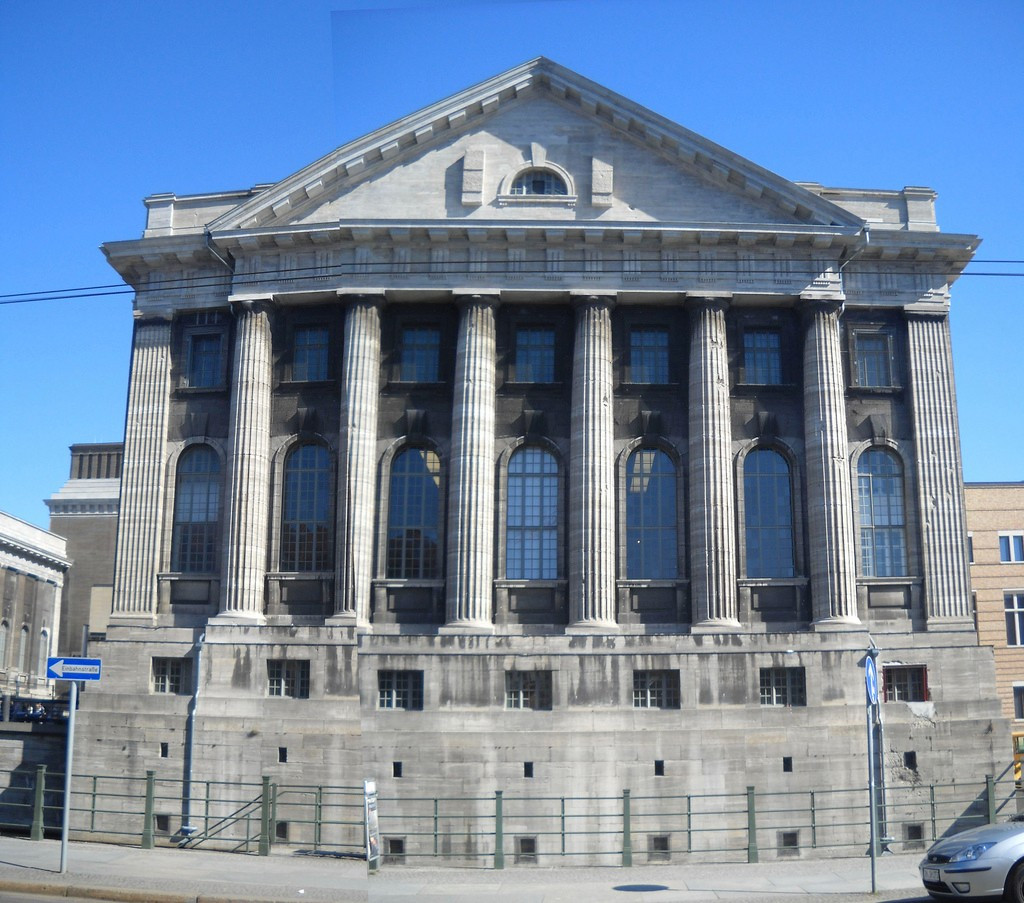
883,546
23,651
5,632
414,516
42,653
651,548
531,530
306,512
194,545
539,181
768,514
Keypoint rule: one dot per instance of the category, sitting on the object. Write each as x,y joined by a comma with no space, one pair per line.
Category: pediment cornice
349,164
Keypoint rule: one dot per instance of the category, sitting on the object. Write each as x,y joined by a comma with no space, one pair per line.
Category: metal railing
486,830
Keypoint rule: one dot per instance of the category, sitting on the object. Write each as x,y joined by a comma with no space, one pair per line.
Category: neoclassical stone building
534,442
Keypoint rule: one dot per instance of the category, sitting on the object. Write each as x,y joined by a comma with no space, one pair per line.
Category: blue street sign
871,680
73,668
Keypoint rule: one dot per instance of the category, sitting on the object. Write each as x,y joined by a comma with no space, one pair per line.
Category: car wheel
1015,885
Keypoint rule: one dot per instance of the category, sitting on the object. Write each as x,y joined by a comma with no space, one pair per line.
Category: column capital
813,307
580,299
371,298
151,318
485,297
926,312
256,304
708,300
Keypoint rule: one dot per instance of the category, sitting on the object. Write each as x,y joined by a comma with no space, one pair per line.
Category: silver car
984,862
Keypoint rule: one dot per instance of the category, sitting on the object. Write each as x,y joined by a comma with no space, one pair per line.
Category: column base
933,623
838,625
466,628
135,619
717,625
243,618
584,628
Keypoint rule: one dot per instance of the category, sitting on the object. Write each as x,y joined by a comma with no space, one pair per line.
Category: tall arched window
414,516
23,650
306,512
194,545
883,546
539,181
768,514
531,530
651,548
5,632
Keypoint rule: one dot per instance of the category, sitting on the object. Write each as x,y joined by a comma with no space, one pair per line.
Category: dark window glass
768,512
528,690
539,181
650,515
172,675
882,521
783,686
531,536
1011,547
874,359
205,360
1014,605
414,515
420,354
1018,705
309,356
288,678
762,357
400,690
306,525
535,355
905,683
656,689
196,511
648,355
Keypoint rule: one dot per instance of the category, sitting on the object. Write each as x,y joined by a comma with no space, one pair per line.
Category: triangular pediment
456,160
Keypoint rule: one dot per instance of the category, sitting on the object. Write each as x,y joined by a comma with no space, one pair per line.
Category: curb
125,895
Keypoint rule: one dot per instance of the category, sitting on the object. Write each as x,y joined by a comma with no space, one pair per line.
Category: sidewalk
164,875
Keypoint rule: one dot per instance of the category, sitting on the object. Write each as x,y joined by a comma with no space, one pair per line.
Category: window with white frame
172,675
783,686
539,181
656,689
905,683
288,678
1013,603
400,690
528,690
874,359
1011,548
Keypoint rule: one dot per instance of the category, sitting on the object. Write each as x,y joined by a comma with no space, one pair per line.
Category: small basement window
526,851
788,843
394,850
658,849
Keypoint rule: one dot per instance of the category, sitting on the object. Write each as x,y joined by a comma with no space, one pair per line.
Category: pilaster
248,497
143,478
939,481
470,577
829,491
591,470
357,467
712,495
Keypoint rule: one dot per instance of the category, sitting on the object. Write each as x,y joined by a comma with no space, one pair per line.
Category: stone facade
33,566
535,428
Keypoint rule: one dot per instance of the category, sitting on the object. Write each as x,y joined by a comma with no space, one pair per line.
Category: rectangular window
1018,703
655,689
762,357
310,348
1014,605
289,678
420,354
400,690
528,690
873,354
535,355
1011,547
172,675
783,686
648,355
970,548
204,364
905,683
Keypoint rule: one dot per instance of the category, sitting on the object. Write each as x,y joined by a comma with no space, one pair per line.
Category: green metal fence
495,829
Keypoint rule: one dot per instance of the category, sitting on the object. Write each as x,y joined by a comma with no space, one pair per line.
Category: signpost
73,670
871,688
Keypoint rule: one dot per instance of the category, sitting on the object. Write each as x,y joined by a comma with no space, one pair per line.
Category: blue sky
106,103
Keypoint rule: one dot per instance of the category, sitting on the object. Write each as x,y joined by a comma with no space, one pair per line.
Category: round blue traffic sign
871,680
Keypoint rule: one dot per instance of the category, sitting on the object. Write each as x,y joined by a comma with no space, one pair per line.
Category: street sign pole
871,688
69,754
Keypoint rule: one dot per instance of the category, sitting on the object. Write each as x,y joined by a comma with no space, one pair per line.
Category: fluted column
591,470
470,577
712,506
143,479
357,470
248,499
940,490
829,491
